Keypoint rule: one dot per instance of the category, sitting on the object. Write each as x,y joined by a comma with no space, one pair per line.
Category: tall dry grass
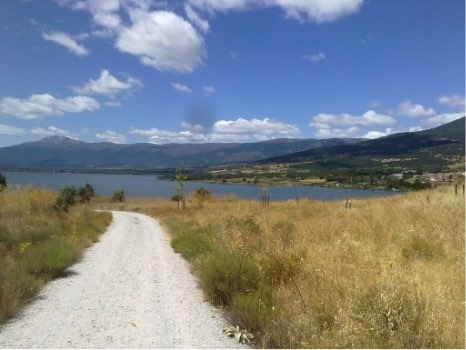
388,273
38,244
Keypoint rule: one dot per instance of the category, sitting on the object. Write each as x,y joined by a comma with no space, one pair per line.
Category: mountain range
59,152
433,148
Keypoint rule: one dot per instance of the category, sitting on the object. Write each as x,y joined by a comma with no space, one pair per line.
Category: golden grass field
387,273
37,244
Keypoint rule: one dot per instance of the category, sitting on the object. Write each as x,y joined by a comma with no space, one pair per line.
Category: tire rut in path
130,290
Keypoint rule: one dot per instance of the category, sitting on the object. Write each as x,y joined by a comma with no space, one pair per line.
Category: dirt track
129,291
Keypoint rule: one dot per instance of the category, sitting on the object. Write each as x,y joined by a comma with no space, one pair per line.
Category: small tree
177,198
202,194
3,183
118,196
86,193
65,198
181,179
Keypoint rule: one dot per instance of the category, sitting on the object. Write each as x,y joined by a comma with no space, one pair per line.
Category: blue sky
130,71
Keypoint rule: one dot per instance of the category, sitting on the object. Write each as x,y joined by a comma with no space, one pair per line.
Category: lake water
148,186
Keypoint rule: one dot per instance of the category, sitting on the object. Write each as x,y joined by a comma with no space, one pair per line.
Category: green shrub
16,287
223,274
118,196
86,193
49,258
252,310
191,243
3,183
65,198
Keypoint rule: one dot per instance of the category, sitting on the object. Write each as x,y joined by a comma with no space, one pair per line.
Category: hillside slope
65,153
428,149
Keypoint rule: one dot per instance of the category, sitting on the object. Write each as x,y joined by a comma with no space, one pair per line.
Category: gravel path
129,291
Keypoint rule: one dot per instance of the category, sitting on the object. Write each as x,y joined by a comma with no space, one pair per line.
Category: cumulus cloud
370,117
331,132
239,130
195,19
52,131
42,105
163,40
318,11
11,130
316,57
454,101
408,109
111,136
104,12
440,119
162,136
222,5
67,41
107,84
181,87
332,125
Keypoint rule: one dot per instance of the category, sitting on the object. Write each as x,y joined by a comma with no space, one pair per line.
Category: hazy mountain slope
433,147
65,153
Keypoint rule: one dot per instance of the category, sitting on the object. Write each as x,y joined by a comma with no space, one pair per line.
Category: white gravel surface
129,291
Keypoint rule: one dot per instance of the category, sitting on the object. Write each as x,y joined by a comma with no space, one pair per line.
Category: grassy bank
388,273
37,245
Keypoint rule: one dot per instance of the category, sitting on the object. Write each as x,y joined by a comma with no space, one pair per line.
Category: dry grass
389,273
37,245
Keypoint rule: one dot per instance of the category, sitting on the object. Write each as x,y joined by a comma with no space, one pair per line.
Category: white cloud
454,101
374,134
181,87
11,130
104,12
318,11
107,84
194,128
408,109
327,132
67,41
222,5
53,131
111,136
42,105
326,121
239,130
209,90
195,19
162,136
163,40
442,119
315,57
332,125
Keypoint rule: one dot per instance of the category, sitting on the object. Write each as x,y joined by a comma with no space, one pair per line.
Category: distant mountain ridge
427,149
59,152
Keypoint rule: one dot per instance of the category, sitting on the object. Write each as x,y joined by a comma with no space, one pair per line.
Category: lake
149,186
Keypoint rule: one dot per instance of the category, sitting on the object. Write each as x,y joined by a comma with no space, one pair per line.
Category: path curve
130,290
